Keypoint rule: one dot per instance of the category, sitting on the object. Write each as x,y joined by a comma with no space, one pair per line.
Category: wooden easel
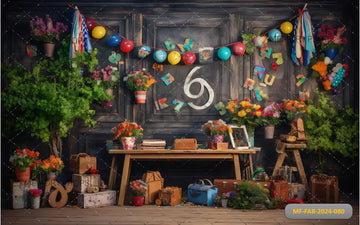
284,148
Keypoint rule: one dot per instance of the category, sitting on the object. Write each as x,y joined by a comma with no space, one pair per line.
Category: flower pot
138,200
217,138
331,53
51,176
140,97
224,203
49,49
110,92
35,202
269,132
22,175
128,142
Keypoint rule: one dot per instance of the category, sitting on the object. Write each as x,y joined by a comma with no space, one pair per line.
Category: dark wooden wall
208,23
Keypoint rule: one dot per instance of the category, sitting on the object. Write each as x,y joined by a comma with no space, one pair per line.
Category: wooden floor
164,215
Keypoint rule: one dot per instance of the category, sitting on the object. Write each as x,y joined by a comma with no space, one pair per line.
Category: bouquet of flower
36,169
330,39
53,164
138,187
107,77
46,32
271,114
225,195
127,129
35,193
216,127
245,113
294,109
23,158
139,80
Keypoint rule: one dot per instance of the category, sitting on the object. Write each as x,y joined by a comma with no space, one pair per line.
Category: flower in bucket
225,195
330,40
216,127
139,80
294,109
45,31
138,187
127,129
35,192
23,158
53,164
271,114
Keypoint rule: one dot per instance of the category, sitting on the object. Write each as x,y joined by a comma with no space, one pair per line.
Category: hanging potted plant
139,81
216,129
138,189
47,33
332,43
270,118
21,161
127,132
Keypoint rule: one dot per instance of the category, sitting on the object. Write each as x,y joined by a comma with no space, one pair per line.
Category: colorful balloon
114,40
286,27
126,45
258,41
224,53
188,58
275,35
239,48
160,56
143,51
90,23
174,57
98,32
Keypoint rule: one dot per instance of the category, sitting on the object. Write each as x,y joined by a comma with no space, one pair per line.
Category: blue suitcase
201,193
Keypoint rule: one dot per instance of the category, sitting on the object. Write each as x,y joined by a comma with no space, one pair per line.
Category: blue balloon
275,35
224,53
160,56
114,40
143,51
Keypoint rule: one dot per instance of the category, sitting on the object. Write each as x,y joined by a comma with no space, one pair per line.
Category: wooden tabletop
198,151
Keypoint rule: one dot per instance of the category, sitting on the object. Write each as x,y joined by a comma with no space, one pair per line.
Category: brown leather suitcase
324,189
279,190
170,196
228,185
185,144
81,163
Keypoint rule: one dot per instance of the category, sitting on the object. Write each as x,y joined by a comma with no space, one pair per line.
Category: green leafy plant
248,42
139,80
216,127
23,158
249,195
47,99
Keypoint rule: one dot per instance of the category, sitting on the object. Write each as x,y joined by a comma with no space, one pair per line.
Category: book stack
150,144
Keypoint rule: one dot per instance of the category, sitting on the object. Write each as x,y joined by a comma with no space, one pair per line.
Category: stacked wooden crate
20,193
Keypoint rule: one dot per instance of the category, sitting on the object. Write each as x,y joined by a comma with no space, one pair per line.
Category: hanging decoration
224,53
98,32
169,45
162,103
143,51
159,56
90,23
114,40
168,79
239,48
31,50
275,35
158,66
206,55
259,71
126,46
188,58
178,105
114,58
286,27
174,57
220,107
301,79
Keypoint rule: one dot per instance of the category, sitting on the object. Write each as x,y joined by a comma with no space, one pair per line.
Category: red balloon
90,23
239,48
126,45
188,58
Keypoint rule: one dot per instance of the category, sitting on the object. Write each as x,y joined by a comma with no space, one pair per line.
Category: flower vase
128,142
138,200
224,203
140,97
35,202
51,176
217,138
49,49
331,53
251,139
269,131
22,175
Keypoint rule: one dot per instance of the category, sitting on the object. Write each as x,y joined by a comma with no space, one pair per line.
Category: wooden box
297,191
81,163
154,182
324,189
185,144
279,190
228,185
218,146
170,196
99,199
83,181
20,193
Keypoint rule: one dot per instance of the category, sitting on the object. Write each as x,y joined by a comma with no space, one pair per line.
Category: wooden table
201,154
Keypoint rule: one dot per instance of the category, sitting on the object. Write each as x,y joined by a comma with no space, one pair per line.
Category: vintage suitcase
201,193
297,191
20,193
83,181
99,199
170,196
81,163
324,189
228,185
154,182
185,144
279,190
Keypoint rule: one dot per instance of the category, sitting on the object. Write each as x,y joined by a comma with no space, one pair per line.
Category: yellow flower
241,113
256,107
149,82
229,129
245,104
258,113
248,110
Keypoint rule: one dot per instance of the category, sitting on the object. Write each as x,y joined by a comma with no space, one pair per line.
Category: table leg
279,162
124,179
251,164
237,167
113,172
300,167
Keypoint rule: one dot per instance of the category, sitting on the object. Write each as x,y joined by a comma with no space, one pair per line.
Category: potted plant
47,33
225,199
216,129
138,189
127,132
139,81
36,169
52,167
35,197
332,43
270,118
21,161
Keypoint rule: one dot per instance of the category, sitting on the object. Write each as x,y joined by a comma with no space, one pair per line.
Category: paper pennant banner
162,103
168,79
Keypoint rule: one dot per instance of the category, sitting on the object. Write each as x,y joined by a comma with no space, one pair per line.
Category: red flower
236,100
274,66
247,99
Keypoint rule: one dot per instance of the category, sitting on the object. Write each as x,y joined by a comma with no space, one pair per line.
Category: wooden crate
81,163
185,144
279,190
218,146
154,182
297,191
83,181
20,193
99,199
170,195
324,189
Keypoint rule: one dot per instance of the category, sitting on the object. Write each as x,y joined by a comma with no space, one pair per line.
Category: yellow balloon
98,32
174,57
286,27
